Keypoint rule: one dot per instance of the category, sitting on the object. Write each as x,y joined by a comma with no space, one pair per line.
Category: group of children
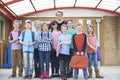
54,44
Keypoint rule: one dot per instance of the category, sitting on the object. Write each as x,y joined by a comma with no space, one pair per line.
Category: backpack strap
11,37
19,32
47,34
23,35
32,36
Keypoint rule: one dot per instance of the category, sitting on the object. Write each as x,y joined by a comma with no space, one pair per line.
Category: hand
17,41
61,43
26,44
57,54
30,44
77,53
82,53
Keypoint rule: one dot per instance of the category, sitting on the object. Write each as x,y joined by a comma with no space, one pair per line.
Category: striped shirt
45,41
15,46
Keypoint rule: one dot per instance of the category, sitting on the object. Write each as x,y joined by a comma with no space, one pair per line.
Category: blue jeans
44,57
76,72
28,62
92,57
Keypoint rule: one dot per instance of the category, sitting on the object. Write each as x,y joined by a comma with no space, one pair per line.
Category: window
1,30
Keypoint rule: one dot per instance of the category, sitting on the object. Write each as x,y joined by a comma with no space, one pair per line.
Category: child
54,60
45,46
64,41
79,43
16,49
36,52
28,39
70,31
91,50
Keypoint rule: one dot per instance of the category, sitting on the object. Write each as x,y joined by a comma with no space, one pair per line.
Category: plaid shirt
45,41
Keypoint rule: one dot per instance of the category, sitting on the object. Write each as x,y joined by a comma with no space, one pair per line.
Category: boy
37,26
28,39
16,49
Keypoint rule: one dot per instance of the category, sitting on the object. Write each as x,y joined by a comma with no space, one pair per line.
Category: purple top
15,46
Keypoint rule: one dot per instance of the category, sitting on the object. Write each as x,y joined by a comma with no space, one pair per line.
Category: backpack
11,36
23,35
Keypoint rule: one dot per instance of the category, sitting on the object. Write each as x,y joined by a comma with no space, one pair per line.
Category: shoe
30,77
25,77
20,75
12,76
52,76
36,76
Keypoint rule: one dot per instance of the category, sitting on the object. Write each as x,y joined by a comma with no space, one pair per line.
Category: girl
70,31
45,42
79,43
54,60
91,50
64,41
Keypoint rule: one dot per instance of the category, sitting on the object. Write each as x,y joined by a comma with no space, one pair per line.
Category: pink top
55,35
92,41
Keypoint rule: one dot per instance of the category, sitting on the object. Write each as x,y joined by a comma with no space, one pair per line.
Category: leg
25,58
13,63
76,72
36,63
96,66
90,64
19,60
85,73
41,61
47,61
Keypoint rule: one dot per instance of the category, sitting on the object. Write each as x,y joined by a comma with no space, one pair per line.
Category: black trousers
54,63
36,62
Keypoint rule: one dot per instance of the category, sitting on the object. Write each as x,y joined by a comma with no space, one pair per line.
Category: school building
104,15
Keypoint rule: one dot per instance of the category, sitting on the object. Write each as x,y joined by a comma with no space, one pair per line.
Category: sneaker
30,76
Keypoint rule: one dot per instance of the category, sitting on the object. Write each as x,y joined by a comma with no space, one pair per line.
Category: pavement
109,73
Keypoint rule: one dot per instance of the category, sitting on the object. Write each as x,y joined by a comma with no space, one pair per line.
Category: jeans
76,72
28,62
92,57
44,57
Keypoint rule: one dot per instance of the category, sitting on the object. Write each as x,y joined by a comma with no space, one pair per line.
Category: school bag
79,62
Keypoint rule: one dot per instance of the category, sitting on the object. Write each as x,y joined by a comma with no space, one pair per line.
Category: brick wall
109,36
110,40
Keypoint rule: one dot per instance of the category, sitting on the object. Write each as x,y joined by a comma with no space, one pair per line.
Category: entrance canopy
15,9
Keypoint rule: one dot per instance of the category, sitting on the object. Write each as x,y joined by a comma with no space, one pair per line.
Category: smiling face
70,24
44,27
64,29
90,29
59,15
16,24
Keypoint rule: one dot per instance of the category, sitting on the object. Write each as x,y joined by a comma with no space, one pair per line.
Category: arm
74,44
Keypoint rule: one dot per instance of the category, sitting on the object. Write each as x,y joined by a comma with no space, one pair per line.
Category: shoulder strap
23,35
32,35
11,37
47,35
19,32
